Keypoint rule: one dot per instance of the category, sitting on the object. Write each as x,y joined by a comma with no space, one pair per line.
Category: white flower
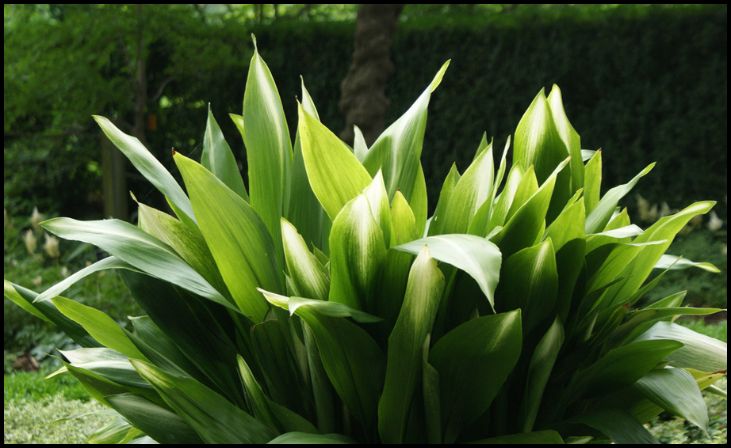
36,218
643,208
64,271
51,246
714,223
37,281
664,209
29,238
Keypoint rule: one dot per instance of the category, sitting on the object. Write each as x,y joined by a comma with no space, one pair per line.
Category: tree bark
363,99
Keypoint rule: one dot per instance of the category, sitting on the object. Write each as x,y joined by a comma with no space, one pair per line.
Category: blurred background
642,82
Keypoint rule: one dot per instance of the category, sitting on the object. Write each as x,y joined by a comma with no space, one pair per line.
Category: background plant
296,310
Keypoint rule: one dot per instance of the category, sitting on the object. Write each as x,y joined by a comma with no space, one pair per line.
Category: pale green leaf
237,237
476,256
404,357
218,158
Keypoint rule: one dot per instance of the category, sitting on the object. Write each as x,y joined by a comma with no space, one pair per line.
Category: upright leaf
404,357
213,417
149,167
600,215
218,158
335,174
537,140
529,281
397,151
237,238
308,275
305,212
569,136
357,253
473,361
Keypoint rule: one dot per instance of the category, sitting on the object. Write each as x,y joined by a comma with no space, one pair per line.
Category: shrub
321,305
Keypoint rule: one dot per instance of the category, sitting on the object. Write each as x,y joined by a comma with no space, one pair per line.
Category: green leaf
213,417
430,392
322,307
476,256
66,283
698,351
309,276
471,191
444,195
473,361
614,236
335,174
99,325
305,438
621,367
569,136
570,261
322,391
305,212
218,158
266,410
676,391
186,240
142,251
527,225
268,147
600,215
360,147
529,281
159,347
109,364
539,371
665,230
117,431
504,201
526,438
19,295
159,423
351,358
148,166
569,224
397,151
618,425
271,345
357,254
593,181
404,357
537,140
12,294
394,274
237,238
199,328
673,262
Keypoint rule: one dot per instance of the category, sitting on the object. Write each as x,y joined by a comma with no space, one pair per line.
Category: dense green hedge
645,84
648,87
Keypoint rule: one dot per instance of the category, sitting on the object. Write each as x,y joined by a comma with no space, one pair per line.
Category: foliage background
644,83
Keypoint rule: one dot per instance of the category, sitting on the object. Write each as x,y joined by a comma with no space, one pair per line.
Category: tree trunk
362,93
114,165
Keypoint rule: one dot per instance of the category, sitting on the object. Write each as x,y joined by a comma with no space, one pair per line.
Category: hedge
644,84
